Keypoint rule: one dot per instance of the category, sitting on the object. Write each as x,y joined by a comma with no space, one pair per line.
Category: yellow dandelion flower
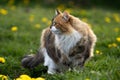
4,77
44,19
115,14
87,79
83,12
1,75
18,79
39,78
85,19
11,2
69,10
48,22
2,60
114,44
3,11
13,7
14,29
98,52
25,77
118,39
116,17
31,18
33,79
107,19
61,7
37,26
109,45
116,29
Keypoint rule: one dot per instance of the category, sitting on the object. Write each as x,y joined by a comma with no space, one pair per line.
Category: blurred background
79,3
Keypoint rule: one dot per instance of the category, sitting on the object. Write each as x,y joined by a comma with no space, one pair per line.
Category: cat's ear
66,16
57,12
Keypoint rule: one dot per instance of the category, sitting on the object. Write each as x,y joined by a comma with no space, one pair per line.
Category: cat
66,44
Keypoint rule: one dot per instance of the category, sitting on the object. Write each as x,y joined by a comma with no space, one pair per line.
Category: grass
105,65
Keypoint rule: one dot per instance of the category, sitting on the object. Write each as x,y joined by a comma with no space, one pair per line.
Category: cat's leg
52,68
49,63
92,43
65,60
92,49
77,64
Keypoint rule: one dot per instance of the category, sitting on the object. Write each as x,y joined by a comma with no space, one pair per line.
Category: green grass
14,45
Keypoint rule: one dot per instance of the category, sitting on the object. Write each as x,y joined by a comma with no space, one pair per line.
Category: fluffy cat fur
67,43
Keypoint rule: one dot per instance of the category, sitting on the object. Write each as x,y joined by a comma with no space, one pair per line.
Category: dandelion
87,79
114,44
39,78
98,52
69,10
3,77
61,7
18,79
37,26
116,29
118,39
107,19
24,77
11,2
14,29
116,17
109,45
2,60
3,11
85,19
33,79
44,19
83,12
13,7
48,22
31,18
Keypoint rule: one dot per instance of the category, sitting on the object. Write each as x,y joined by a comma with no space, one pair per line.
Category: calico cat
67,43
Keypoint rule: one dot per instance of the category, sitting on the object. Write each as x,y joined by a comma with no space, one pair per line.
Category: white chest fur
66,42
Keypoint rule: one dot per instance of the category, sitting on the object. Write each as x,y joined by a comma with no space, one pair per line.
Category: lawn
20,30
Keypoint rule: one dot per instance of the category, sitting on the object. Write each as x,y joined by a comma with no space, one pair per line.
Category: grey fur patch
30,61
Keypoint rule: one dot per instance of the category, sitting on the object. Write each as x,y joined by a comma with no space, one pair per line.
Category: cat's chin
56,32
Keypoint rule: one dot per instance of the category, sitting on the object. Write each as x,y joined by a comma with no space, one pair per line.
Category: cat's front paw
65,60
66,63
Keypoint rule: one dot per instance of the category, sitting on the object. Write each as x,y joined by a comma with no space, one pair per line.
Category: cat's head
61,23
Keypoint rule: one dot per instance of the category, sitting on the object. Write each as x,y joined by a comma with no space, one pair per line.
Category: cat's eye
54,23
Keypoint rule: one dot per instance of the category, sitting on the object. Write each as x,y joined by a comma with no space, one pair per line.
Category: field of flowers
20,30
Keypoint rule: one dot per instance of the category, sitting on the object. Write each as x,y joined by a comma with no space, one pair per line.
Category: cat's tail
30,61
